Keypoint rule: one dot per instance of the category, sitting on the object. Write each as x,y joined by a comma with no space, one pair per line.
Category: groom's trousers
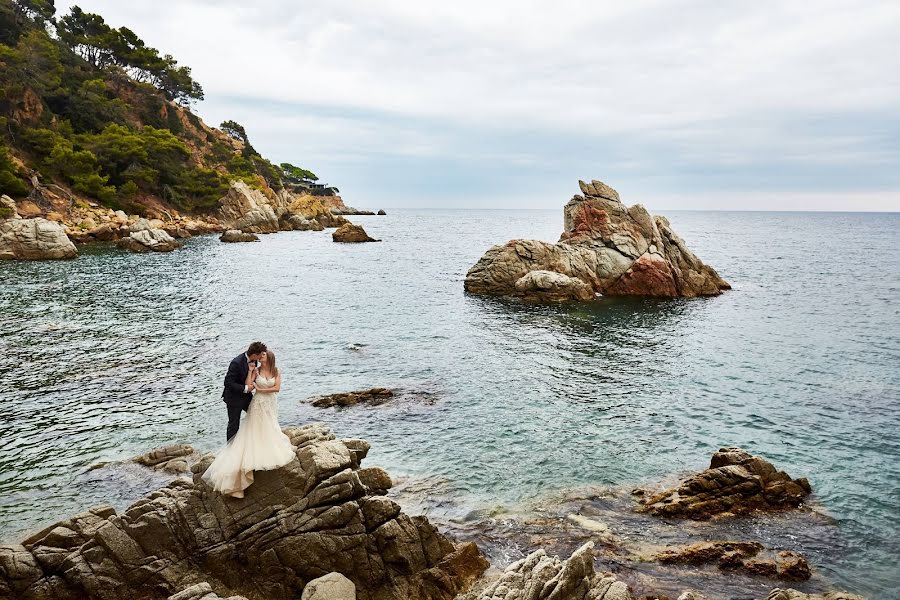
234,420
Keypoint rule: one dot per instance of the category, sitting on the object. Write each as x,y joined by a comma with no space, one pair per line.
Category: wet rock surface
736,482
176,458
312,517
612,249
373,396
732,556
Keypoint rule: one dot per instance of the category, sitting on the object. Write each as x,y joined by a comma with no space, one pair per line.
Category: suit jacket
233,394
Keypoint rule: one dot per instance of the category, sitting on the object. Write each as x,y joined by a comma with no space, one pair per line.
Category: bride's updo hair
270,356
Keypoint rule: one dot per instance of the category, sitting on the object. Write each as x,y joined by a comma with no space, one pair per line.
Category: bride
259,444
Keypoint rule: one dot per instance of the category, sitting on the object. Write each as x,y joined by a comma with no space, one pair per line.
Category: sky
706,104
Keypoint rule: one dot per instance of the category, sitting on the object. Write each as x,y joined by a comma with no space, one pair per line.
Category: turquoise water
110,355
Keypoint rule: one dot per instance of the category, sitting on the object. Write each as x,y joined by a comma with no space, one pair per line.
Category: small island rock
351,233
148,240
235,235
613,249
381,212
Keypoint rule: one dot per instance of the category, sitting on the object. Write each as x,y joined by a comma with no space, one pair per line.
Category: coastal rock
248,209
613,249
311,517
550,286
32,239
201,591
333,586
350,233
373,396
234,235
145,239
299,223
539,576
736,482
176,458
381,212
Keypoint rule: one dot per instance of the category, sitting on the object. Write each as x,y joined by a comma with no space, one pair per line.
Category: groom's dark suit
236,399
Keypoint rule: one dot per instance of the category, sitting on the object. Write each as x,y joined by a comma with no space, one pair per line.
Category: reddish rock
650,275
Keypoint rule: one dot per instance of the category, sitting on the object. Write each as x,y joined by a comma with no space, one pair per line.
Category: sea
501,407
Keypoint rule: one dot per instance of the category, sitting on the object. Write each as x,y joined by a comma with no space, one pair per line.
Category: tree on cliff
297,174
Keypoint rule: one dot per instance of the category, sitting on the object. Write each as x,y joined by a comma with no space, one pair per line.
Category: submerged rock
176,458
351,233
31,239
373,396
731,556
310,517
612,249
736,482
235,235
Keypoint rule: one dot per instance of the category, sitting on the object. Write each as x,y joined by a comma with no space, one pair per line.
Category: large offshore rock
736,482
31,239
613,249
350,233
311,517
235,235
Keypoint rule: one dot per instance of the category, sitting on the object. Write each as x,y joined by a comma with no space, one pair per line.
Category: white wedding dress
259,445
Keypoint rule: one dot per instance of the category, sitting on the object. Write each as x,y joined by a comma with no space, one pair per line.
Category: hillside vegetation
96,112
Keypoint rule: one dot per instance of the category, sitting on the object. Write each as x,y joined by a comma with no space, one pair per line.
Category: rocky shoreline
325,522
54,229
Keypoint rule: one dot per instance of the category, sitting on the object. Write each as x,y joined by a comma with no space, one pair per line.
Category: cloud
507,103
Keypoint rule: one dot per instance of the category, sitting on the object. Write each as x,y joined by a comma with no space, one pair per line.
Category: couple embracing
255,443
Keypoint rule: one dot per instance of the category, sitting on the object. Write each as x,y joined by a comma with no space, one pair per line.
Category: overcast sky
703,104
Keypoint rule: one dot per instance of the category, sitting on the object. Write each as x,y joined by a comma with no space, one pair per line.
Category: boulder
381,212
373,396
613,249
31,239
736,482
333,586
350,233
779,594
732,556
235,235
545,577
148,240
311,517
300,223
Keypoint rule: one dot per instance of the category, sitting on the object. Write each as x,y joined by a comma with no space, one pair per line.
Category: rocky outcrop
248,209
235,235
31,239
201,591
176,458
733,556
736,482
550,286
350,233
381,212
316,515
541,577
374,396
612,249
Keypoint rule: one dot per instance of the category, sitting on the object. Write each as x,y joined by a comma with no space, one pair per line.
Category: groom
237,395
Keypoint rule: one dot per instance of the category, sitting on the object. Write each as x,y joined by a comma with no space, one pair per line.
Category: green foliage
296,174
10,182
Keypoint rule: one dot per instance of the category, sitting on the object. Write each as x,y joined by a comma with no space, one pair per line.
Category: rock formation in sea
143,237
351,233
745,556
611,249
321,513
373,396
736,482
252,211
31,239
236,235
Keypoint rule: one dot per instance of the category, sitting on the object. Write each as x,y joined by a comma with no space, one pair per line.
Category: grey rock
148,240
176,458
